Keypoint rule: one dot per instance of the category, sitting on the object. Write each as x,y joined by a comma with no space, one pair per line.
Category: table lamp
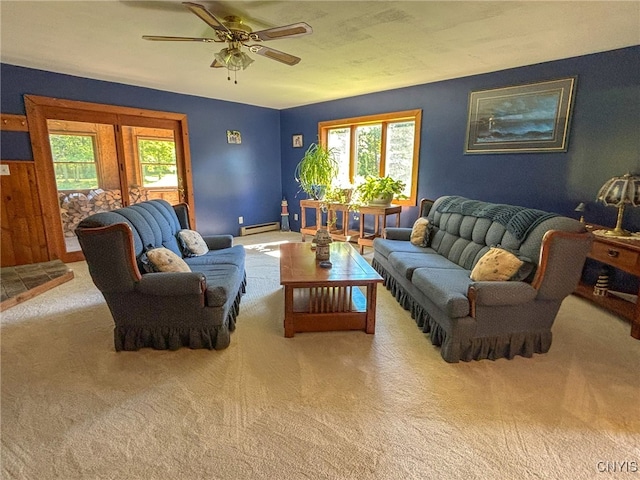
620,192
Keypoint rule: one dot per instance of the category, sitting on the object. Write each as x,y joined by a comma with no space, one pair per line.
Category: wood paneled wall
23,239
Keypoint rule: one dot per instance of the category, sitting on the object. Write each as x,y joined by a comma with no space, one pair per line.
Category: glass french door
152,170
98,158
87,173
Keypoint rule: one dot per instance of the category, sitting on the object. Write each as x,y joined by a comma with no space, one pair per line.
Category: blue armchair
162,310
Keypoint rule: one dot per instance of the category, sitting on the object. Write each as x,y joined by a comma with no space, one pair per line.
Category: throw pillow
420,232
526,272
496,265
192,243
164,260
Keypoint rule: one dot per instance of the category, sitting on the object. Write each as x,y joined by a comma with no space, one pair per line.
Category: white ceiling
355,48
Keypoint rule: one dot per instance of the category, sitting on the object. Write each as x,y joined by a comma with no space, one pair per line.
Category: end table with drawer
623,254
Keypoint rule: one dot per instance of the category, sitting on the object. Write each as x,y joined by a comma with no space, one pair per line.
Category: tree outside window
74,161
158,162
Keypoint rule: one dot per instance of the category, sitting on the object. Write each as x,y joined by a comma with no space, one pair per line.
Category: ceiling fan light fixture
234,59
223,56
246,60
235,34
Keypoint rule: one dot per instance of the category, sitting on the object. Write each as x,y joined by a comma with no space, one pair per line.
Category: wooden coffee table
321,299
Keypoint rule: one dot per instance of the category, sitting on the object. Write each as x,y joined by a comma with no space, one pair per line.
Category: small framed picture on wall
233,136
298,140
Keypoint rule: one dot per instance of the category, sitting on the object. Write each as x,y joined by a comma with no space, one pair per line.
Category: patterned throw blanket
517,220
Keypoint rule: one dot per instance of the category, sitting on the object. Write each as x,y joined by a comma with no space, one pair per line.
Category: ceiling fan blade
160,38
216,64
287,31
208,17
274,54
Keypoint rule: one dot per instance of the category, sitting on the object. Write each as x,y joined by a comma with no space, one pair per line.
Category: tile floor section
19,279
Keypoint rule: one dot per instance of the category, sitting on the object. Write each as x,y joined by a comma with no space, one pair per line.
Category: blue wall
604,138
229,180
249,179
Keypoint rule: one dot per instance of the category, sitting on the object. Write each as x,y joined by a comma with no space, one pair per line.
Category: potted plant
339,194
380,190
317,169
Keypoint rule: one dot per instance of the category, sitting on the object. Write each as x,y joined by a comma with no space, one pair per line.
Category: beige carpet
337,405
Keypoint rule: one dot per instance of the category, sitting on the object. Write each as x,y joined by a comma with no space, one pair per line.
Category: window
74,161
379,145
157,162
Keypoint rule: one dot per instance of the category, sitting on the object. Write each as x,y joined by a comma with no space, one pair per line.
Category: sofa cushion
233,256
155,221
191,243
447,288
152,223
407,262
385,247
496,265
420,232
164,260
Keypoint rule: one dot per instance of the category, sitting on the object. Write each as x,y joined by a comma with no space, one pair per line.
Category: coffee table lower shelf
323,309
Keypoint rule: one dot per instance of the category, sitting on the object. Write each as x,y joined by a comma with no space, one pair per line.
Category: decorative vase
322,241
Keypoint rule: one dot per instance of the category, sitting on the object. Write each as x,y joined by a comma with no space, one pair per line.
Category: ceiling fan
236,34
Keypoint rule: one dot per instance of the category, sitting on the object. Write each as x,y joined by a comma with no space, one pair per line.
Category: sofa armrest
499,293
216,242
172,284
397,233
562,257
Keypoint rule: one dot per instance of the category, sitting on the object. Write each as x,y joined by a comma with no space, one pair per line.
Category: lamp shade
233,58
619,191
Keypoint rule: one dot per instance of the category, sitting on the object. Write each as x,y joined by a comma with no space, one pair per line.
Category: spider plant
316,171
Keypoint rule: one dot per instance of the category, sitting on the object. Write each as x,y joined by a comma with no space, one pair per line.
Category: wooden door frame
39,109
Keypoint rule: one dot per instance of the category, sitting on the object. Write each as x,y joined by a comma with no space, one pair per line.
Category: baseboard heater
259,228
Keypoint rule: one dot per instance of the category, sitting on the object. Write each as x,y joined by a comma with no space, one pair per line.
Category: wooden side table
342,234
304,229
380,223
622,254
333,209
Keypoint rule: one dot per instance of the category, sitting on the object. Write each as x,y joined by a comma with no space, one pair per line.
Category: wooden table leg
371,308
289,327
361,232
635,321
303,221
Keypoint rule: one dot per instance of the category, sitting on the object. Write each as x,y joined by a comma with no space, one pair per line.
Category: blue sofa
473,320
162,310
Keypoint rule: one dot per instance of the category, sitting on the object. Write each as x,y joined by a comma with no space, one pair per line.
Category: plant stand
380,223
342,234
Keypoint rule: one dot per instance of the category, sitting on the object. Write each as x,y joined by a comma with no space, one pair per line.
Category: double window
377,145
